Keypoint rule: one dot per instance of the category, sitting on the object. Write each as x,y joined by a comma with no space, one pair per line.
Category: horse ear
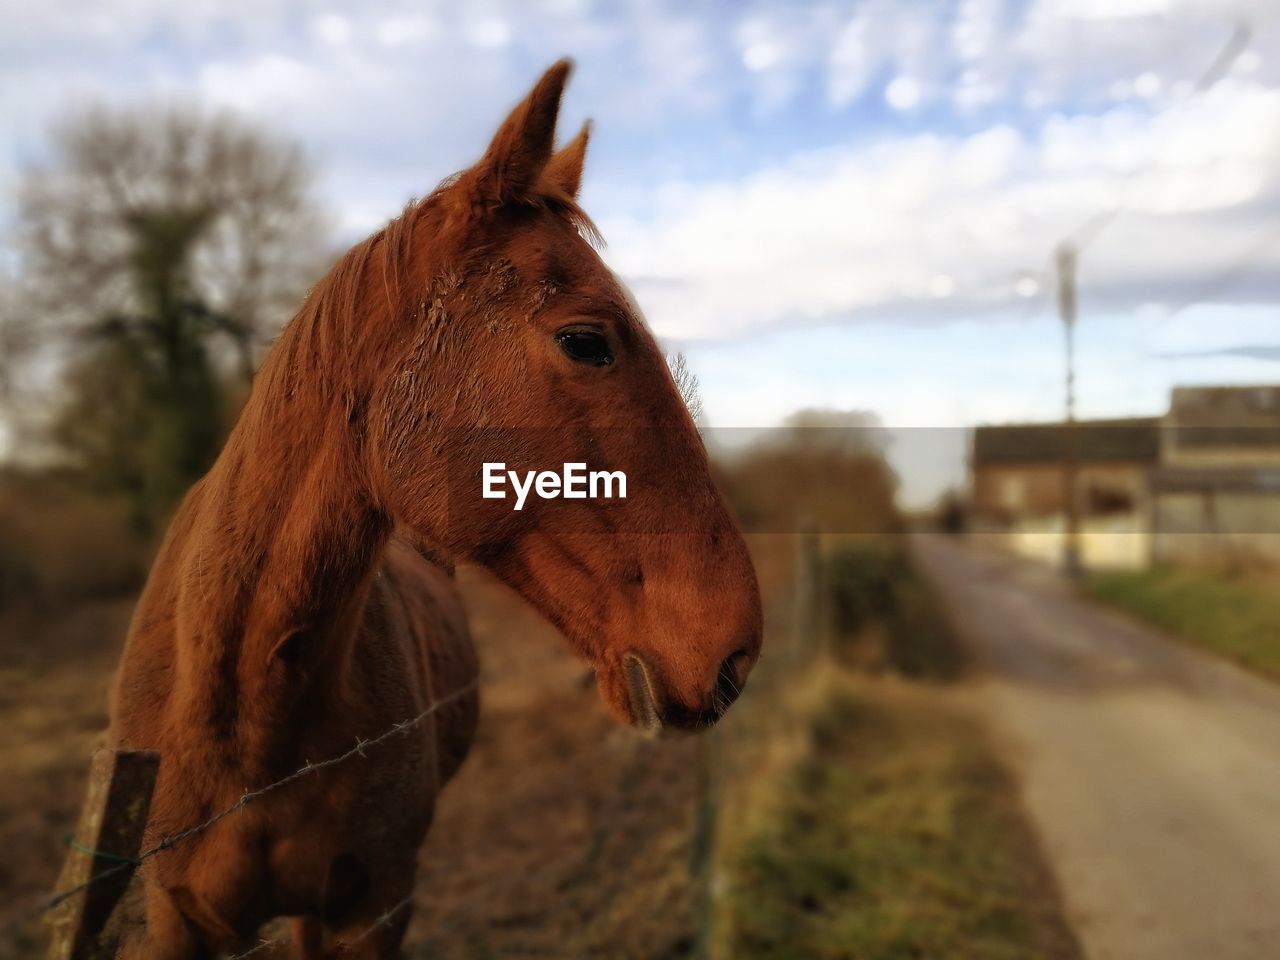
522,146
564,170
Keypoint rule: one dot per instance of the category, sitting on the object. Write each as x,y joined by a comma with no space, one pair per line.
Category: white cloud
903,39
1108,10
761,49
975,90
273,79
904,93
903,224
850,63
941,286
489,32
402,31
976,28
1013,121
1148,85
389,99
331,29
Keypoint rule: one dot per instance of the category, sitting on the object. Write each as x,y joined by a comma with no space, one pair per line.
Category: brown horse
302,599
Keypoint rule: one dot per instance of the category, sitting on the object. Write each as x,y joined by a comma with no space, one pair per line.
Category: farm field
563,832
566,836
516,863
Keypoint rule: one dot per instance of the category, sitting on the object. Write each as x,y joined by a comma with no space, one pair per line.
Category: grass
1233,616
885,615
896,836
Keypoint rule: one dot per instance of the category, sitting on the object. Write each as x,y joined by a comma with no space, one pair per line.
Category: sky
837,204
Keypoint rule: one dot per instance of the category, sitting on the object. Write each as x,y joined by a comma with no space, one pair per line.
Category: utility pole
1065,257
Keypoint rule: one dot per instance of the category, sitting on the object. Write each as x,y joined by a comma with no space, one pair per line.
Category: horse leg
376,929
167,935
307,936
373,941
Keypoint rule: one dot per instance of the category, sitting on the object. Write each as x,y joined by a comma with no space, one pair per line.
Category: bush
822,470
864,579
60,546
875,588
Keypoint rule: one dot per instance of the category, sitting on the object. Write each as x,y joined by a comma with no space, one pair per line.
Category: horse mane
322,341
552,198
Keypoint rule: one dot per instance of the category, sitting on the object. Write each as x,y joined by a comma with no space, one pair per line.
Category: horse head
513,343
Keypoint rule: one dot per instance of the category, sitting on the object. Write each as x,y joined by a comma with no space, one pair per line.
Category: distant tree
822,469
687,383
13,340
18,431
163,248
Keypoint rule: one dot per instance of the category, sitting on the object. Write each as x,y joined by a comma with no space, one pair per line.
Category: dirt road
1152,771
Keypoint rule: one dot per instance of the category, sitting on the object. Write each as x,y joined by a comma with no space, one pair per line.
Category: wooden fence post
704,846
107,839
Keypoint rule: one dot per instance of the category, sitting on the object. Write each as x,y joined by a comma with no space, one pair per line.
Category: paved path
1152,771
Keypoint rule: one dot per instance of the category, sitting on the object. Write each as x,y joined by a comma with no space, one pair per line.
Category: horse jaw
644,705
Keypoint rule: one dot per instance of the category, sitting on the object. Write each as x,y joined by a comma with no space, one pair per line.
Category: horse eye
585,346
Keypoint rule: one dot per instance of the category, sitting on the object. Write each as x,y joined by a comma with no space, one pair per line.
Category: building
1200,484
1216,492
1019,486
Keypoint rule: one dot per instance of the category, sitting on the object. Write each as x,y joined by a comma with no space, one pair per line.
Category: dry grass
53,680
60,546
563,836
896,835
562,833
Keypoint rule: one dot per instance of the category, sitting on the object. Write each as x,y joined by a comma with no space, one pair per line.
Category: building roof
1133,440
1217,417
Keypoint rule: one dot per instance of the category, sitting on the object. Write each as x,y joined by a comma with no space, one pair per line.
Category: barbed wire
635,752
25,915
170,841
383,919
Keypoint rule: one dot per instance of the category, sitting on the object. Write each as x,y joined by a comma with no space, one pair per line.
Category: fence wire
24,915
637,752
799,650
172,840
385,918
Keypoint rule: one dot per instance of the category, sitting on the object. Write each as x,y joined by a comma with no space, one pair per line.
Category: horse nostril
729,680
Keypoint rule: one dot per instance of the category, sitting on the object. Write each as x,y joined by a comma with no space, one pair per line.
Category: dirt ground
563,836
564,833
53,680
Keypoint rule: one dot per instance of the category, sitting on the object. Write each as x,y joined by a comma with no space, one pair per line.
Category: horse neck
280,546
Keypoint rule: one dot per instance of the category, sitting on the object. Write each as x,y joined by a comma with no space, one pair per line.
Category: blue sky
844,204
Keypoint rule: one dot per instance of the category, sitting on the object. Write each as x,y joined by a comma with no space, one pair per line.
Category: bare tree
234,198
13,340
687,383
17,349
158,250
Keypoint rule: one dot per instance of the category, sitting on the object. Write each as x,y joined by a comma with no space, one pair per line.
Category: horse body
286,619
296,607
334,848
